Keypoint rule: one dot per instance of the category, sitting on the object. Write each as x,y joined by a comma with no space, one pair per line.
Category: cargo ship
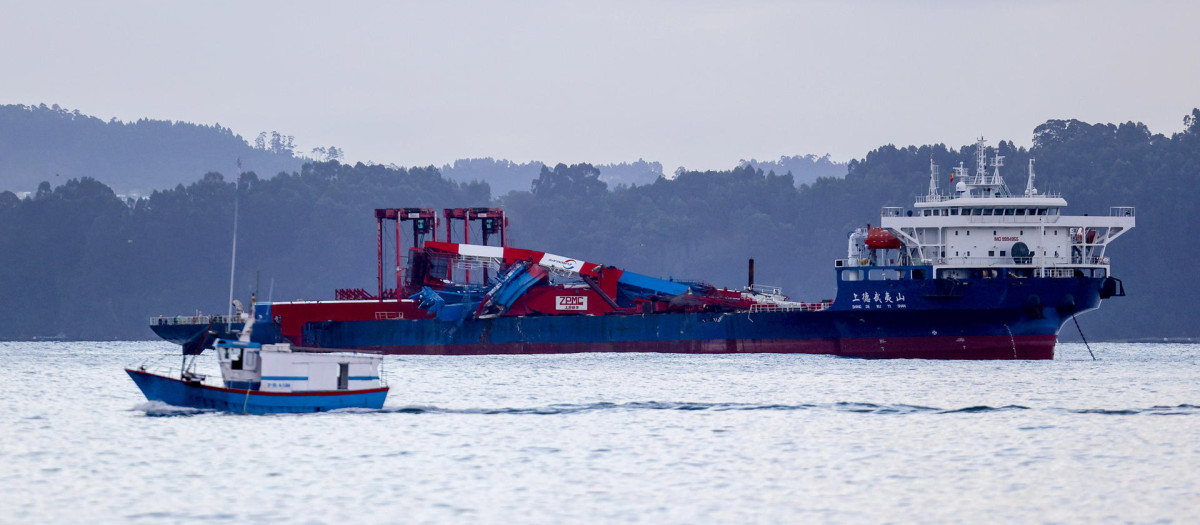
977,273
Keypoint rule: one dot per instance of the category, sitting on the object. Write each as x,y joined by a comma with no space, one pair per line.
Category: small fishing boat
266,379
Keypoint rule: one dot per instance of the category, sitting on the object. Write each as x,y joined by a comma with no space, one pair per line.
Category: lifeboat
882,239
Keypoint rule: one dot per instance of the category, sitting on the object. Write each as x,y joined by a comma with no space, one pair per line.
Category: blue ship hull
182,334
984,318
176,392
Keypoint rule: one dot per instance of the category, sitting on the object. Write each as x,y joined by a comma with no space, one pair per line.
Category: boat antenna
980,161
1029,189
933,175
233,256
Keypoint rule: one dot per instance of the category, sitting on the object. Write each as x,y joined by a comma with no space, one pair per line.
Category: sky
687,83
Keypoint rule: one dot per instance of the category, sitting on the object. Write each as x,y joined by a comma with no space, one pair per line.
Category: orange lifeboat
881,239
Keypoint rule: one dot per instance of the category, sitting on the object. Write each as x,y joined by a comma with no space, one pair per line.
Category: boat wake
160,409
862,408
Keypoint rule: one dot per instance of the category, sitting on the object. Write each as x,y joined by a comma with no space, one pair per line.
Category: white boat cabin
276,368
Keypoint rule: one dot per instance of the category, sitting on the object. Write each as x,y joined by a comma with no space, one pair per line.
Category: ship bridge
982,225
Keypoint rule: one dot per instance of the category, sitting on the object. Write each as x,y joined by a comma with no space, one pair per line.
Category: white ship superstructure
984,226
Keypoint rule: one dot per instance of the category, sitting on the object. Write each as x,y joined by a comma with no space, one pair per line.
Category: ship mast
1029,189
980,162
933,175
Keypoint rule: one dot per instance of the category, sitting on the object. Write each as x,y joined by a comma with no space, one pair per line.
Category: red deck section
293,316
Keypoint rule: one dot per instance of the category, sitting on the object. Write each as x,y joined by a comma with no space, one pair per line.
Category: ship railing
193,319
1011,219
765,289
789,307
475,262
1122,211
891,211
1054,273
1008,261
933,198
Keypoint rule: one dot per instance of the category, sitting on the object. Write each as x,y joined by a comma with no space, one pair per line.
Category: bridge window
851,275
953,211
1020,211
918,275
1009,211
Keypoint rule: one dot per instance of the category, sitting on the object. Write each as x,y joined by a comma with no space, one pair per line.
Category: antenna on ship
997,179
933,175
960,173
980,162
1029,189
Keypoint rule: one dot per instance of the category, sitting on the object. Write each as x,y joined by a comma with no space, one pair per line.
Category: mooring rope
1085,343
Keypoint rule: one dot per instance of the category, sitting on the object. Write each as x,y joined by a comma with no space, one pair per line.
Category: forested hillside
40,143
80,261
505,176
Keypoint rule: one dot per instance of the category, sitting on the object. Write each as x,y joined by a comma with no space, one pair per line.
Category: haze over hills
79,261
50,143
40,143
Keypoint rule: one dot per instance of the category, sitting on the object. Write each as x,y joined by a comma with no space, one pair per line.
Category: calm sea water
621,438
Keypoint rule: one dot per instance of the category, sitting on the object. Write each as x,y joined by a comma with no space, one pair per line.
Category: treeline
81,262
505,176
40,143
805,169
77,260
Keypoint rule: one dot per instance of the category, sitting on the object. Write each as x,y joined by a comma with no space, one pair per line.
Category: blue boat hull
175,392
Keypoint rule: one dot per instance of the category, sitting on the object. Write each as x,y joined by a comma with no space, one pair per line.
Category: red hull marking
980,347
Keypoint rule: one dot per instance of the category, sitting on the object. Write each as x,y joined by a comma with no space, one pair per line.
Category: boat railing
790,307
475,262
765,289
1013,219
1054,273
1010,262
159,366
932,198
1122,211
193,319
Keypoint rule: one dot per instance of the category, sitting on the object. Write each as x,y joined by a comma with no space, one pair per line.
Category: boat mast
233,256
933,175
1029,189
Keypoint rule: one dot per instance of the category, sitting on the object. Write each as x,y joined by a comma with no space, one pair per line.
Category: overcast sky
698,84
